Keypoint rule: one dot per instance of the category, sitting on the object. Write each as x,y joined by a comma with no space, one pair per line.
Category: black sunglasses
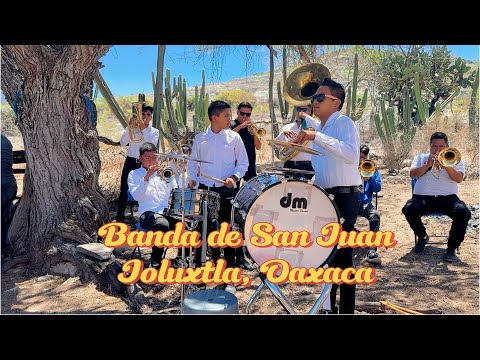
147,113
245,114
321,97
302,109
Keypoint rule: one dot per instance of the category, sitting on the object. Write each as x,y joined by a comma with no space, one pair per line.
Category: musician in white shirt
303,120
152,193
338,138
148,134
225,151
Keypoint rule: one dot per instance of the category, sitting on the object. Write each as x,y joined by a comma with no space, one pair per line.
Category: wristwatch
234,177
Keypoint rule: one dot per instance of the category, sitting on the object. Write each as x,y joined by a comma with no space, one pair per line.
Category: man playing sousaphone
303,120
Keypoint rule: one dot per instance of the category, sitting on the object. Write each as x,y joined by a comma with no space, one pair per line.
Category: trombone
367,168
447,157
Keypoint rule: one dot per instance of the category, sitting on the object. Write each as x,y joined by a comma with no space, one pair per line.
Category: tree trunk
61,203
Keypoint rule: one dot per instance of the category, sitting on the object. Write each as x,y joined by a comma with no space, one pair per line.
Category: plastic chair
431,214
131,202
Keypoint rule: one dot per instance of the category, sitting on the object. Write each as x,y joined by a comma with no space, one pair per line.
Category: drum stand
287,305
191,227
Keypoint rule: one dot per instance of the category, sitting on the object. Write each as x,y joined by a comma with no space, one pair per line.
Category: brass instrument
136,121
165,172
254,130
367,168
304,82
447,157
299,88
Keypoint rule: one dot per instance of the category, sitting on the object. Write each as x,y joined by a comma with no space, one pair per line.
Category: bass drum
289,205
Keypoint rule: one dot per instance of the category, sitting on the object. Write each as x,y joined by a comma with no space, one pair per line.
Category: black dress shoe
420,245
245,265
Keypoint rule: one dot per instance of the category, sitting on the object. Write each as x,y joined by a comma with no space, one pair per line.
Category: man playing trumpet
250,138
436,190
372,183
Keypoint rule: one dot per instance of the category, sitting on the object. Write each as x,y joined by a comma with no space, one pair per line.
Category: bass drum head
292,205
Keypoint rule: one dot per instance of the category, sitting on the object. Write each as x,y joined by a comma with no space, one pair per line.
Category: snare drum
194,200
289,205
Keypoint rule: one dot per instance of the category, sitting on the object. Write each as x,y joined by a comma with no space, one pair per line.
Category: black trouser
233,256
449,205
348,204
300,165
129,165
150,220
369,212
9,191
251,173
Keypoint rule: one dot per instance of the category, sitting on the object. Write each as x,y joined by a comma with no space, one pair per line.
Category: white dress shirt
437,182
224,150
339,142
150,134
152,195
293,126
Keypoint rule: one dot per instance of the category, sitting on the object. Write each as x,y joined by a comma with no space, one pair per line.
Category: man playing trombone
372,183
438,174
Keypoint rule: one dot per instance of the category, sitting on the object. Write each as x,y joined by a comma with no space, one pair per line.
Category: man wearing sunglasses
337,137
303,120
251,142
150,134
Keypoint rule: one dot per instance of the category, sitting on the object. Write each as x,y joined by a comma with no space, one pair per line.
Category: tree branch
303,54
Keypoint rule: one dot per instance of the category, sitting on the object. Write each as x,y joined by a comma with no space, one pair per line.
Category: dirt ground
422,282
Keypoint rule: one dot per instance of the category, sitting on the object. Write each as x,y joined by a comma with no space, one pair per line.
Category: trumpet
166,174
367,168
136,121
254,130
447,157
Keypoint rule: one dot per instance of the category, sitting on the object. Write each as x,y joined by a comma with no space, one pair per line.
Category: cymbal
183,157
290,170
297,147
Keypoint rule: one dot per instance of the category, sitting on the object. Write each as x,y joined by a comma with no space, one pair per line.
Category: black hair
216,107
147,107
439,135
364,149
244,104
336,89
148,146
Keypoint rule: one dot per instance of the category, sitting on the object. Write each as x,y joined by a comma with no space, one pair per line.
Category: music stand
185,158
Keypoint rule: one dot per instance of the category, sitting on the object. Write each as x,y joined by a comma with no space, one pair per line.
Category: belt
343,190
299,162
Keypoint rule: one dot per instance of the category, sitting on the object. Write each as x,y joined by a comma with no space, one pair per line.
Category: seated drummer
303,120
228,161
152,193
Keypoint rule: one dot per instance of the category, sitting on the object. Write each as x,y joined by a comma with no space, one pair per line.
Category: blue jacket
374,184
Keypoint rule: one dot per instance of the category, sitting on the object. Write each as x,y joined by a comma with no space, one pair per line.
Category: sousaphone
299,88
303,83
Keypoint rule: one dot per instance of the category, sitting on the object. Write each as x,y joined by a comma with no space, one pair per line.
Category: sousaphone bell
304,82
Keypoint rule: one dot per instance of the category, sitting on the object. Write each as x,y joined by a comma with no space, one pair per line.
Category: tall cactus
284,105
158,96
473,108
355,107
422,105
200,118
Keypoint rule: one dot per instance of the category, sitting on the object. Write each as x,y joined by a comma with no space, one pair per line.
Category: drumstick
217,179
214,179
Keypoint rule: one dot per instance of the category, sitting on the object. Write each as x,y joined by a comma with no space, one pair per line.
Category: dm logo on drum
295,203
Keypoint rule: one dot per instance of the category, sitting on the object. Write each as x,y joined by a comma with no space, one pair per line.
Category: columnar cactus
355,107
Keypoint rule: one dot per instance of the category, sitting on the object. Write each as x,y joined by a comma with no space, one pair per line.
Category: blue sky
128,68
